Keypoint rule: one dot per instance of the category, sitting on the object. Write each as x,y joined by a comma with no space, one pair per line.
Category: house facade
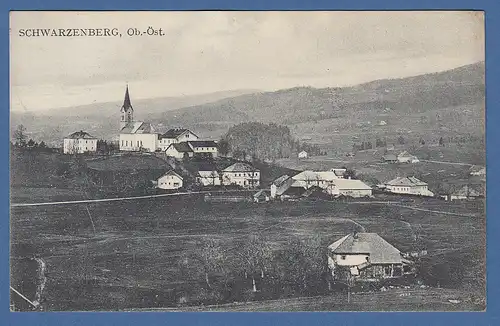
79,142
204,147
303,154
179,150
366,257
170,180
409,186
467,192
350,188
176,135
135,135
241,174
405,157
208,178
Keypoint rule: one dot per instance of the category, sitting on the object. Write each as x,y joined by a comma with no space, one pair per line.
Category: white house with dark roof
409,186
135,135
79,142
405,157
365,257
204,147
241,174
176,135
170,180
179,150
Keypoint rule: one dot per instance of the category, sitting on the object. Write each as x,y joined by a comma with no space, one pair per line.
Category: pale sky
205,52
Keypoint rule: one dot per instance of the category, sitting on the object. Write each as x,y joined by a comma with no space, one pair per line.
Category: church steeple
127,111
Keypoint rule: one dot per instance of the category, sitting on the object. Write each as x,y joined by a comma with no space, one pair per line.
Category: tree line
264,141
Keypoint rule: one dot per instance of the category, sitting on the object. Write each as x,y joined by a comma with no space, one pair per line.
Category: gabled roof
406,181
351,184
390,157
278,182
261,193
138,127
176,132
404,154
477,168
240,167
171,172
80,135
181,147
379,250
202,143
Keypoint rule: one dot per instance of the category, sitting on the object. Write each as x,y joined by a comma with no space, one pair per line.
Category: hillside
447,103
461,86
101,119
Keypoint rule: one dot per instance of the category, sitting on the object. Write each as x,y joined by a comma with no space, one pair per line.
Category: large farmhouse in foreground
365,257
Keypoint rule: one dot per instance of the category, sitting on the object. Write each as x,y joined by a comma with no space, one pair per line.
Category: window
388,270
342,257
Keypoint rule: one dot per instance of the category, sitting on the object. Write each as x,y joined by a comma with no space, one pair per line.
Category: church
135,135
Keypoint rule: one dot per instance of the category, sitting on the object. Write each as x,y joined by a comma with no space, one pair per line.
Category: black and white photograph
247,161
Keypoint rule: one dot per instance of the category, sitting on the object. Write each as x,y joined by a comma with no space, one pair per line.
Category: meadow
130,255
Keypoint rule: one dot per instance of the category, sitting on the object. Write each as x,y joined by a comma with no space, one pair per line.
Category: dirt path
86,201
432,211
42,280
444,162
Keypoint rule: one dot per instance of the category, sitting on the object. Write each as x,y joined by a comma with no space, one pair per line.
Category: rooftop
138,127
240,167
81,135
175,132
379,250
406,181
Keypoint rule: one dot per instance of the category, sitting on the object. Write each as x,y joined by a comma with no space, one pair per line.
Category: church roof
138,127
81,135
126,102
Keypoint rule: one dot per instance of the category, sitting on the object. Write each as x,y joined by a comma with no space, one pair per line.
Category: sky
204,52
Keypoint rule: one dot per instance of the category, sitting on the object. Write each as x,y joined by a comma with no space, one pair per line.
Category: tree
401,140
224,147
441,141
255,258
20,136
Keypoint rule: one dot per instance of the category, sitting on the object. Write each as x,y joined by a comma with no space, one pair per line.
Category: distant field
131,260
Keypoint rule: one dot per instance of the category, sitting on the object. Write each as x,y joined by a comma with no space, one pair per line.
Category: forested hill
463,86
264,141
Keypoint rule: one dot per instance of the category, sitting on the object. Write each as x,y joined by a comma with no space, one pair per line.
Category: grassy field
131,260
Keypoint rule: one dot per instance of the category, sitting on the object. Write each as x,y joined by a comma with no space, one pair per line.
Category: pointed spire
126,101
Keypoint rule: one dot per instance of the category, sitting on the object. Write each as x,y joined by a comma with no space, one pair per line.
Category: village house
179,150
261,196
79,142
204,147
241,174
366,257
208,178
390,158
302,155
405,157
478,171
170,180
350,188
466,192
409,186
176,135
135,135
331,182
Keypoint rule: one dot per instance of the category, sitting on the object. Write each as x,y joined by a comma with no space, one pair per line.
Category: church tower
126,111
